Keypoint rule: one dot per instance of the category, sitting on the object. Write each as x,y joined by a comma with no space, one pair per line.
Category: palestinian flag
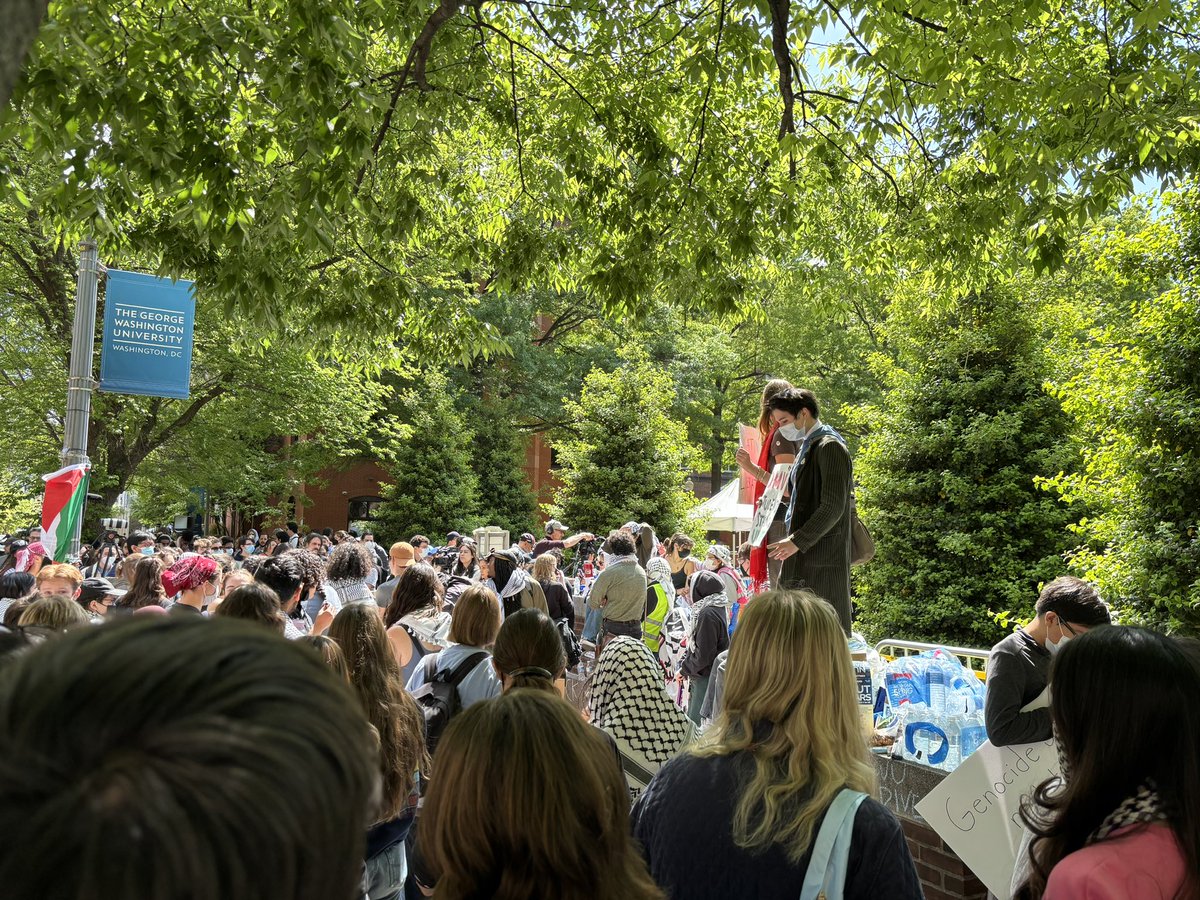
62,508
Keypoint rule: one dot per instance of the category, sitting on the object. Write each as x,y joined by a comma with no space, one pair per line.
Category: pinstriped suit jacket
821,520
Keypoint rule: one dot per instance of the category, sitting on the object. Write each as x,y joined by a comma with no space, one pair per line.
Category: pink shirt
1137,863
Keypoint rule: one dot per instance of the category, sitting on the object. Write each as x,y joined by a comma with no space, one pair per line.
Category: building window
364,508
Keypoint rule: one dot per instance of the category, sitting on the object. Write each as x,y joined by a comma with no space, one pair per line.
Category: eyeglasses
1065,626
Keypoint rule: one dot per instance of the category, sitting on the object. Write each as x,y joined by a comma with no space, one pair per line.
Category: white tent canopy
722,512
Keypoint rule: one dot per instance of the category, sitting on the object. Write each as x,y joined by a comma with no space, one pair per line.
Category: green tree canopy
408,156
947,475
428,450
623,458
249,389
1133,389
498,460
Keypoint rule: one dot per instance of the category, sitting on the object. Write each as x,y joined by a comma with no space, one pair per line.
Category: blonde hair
789,667
553,786
476,617
57,613
62,571
773,389
544,567
228,576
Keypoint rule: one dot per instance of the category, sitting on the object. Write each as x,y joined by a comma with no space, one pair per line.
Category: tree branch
567,321
512,76
708,93
414,66
38,276
833,7
925,23
185,418
780,16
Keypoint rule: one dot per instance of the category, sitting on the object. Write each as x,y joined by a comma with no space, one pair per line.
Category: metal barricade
974,659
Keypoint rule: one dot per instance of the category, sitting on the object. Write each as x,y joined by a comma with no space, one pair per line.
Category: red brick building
348,494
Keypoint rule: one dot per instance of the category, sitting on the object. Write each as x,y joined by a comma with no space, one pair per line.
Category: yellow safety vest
652,628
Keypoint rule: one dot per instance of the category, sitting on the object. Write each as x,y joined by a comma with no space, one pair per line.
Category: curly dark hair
312,567
349,561
619,544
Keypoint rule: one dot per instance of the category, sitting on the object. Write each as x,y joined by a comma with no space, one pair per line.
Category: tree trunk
718,440
24,18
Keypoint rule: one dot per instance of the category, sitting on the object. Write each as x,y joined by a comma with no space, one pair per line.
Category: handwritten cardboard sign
975,809
765,514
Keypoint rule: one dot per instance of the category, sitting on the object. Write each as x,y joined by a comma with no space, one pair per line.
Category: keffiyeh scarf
516,583
1143,808
630,702
659,570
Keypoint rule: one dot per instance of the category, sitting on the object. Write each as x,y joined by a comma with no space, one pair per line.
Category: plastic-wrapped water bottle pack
934,709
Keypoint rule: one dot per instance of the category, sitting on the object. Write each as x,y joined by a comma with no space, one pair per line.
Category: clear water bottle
973,734
937,690
950,725
915,732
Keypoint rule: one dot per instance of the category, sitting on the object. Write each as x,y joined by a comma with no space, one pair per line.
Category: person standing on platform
816,551
776,449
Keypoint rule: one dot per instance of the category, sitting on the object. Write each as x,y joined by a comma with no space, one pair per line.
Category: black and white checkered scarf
1143,808
629,701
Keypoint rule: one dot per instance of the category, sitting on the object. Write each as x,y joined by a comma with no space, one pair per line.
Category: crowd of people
315,716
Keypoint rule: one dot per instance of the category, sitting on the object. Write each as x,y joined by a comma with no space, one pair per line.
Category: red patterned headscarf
189,573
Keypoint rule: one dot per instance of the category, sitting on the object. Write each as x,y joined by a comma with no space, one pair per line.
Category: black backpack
571,645
455,585
438,696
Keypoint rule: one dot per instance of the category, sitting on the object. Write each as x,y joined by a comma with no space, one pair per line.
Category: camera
443,559
582,551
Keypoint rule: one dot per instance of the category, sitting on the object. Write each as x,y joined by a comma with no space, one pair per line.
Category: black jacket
558,602
821,520
710,637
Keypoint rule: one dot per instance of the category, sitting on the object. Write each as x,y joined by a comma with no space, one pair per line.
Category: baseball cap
402,551
527,537
555,525
97,588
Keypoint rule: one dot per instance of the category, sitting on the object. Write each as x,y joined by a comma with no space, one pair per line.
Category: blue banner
148,325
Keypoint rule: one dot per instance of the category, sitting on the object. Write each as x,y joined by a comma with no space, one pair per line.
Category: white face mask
1055,646
790,432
